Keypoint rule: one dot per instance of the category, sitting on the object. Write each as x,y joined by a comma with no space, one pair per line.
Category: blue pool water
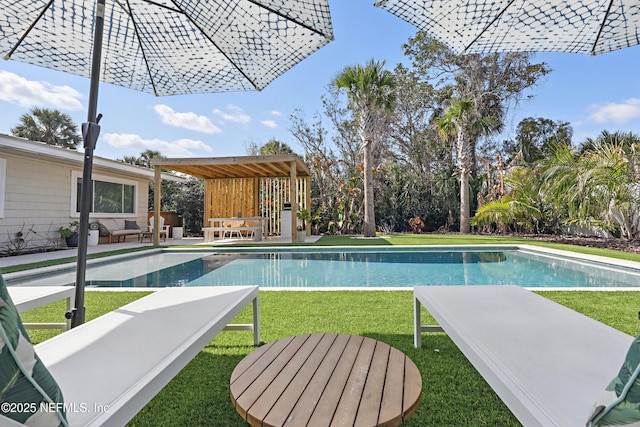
371,268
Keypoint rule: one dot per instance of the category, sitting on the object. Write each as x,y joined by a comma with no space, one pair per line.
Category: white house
40,191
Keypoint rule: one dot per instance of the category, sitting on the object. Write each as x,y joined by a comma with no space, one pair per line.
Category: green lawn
454,393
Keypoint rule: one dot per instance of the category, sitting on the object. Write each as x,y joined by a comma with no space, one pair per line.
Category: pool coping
634,265
70,265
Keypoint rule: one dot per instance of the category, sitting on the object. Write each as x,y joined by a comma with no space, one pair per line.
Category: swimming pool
358,267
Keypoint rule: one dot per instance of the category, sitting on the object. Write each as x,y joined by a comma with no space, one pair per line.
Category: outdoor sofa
117,227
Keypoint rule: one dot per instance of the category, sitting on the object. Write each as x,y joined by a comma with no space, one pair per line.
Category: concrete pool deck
132,243
72,252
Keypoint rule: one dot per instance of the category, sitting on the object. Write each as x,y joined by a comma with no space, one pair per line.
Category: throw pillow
131,225
23,376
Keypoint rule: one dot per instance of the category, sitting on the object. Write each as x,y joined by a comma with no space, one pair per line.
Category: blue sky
592,93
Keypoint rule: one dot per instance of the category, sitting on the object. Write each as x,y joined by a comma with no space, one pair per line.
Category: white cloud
616,112
190,121
30,93
269,123
137,144
275,113
233,114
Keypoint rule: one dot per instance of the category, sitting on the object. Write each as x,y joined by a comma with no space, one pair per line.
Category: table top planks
326,379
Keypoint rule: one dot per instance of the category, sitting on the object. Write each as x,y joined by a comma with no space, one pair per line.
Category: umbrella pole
90,132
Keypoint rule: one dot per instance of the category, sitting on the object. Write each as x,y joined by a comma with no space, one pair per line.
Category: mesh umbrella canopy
169,47
163,47
484,26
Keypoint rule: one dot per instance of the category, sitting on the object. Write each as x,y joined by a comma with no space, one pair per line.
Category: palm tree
48,126
614,185
600,186
272,146
611,169
459,121
498,212
560,182
371,95
533,207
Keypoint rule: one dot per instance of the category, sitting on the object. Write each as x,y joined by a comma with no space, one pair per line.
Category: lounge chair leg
256,321
417,326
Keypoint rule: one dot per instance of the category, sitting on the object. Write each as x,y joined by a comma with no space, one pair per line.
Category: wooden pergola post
156,205
293,188
208,188
307,199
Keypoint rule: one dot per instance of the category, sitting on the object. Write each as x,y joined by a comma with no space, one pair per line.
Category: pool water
398,268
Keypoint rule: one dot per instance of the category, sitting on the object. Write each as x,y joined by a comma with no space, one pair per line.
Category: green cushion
19,397
619,405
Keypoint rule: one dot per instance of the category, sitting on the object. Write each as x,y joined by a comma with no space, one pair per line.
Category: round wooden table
326,379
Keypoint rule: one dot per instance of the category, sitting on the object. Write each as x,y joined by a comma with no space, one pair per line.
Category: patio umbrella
165,47
481,26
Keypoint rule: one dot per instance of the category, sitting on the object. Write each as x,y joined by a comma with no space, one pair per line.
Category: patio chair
164,229
254,224
233,226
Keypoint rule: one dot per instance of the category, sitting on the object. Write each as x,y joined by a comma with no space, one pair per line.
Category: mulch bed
632,246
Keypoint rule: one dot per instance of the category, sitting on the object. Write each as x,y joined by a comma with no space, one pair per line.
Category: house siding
38,196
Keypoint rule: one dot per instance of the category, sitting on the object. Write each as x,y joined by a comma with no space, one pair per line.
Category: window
3,180
110,195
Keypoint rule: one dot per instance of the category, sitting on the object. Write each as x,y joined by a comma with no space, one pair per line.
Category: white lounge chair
111,367
548,363
164,229
29,297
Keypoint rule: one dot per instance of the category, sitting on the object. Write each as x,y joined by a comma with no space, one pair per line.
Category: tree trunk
464,160
369,213
464,202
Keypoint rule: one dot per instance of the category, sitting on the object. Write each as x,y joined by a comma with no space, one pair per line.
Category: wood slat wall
228,198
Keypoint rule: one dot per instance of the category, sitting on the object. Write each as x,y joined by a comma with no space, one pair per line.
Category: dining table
219,226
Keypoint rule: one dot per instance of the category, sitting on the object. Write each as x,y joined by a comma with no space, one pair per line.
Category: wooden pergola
239,178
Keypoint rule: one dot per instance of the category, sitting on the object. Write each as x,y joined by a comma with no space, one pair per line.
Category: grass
454,394
96,304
